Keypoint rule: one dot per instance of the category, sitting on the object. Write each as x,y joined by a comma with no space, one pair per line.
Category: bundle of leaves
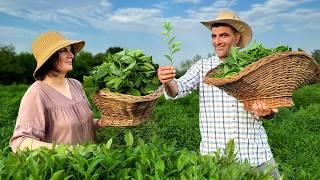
127,72
238,60
135,160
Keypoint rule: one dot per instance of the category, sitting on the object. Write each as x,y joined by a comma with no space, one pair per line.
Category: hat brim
77,46
243,28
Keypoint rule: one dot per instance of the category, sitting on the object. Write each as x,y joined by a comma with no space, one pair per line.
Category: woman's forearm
33,144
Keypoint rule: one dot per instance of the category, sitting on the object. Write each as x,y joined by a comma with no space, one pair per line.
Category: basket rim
254,66
130,98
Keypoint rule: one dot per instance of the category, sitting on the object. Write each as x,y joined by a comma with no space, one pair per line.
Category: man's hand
260,110
166,74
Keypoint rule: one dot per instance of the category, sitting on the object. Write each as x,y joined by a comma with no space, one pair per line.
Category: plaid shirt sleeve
188,82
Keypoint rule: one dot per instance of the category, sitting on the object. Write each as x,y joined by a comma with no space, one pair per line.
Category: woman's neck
56,81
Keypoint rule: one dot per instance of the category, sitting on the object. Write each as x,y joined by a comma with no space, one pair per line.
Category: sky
137,24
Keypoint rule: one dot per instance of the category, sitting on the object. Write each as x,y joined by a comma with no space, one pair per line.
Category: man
222,117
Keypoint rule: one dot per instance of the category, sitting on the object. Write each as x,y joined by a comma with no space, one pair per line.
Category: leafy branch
170,40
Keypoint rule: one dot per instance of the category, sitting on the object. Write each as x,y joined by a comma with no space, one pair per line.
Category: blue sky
138,24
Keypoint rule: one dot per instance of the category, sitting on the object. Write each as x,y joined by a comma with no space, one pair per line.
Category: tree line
17,68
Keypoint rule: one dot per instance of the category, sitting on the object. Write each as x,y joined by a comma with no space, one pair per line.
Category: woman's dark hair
50,66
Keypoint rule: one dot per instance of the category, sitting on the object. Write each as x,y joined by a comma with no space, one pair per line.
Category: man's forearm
171,88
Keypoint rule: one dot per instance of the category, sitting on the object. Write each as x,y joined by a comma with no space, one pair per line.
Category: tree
113,50
316,55
7,64
97,60
81,66
184,66
26,66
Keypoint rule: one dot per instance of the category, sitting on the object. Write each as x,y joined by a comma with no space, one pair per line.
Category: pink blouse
47,115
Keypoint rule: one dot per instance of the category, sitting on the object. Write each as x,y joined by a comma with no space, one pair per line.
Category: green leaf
146,59
149,66
128,138
234,53
159,165
176,50
57,175
114,69
168,57
108,145
138,174
135,53
134,92
180,162
117,83
127,59
226,68
150,88
171,40
131,66
78,168
93,164
177,44
122,53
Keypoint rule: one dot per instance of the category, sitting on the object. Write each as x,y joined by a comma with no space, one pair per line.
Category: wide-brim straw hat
46,44
231,19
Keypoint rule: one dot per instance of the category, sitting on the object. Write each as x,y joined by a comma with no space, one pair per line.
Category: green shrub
294,139
134,160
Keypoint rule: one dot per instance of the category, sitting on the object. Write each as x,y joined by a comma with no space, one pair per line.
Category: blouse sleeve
31,119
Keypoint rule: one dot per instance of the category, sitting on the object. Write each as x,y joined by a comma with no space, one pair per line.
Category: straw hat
46,44
231,19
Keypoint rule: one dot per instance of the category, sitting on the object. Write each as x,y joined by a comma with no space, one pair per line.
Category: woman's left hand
97,123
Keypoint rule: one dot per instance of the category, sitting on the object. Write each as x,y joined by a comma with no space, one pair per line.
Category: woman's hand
97,123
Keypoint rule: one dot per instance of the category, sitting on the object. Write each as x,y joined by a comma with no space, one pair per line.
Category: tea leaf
128,138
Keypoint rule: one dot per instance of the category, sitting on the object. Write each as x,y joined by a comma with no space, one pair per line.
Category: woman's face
64,64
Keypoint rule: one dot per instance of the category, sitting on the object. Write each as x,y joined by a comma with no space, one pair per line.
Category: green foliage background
293,133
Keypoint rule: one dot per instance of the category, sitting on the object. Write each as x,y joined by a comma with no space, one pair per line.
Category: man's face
223,38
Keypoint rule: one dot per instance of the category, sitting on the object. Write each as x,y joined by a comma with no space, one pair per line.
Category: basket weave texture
125,110
272,79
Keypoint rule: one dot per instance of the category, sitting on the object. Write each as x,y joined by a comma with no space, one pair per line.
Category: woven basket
271,79
125,110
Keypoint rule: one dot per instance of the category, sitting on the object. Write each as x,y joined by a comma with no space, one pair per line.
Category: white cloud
273,13
105,3
161,5
7,31
209,12
134,15
186,1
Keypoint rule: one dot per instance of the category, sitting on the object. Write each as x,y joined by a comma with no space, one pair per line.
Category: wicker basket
271,79
125,110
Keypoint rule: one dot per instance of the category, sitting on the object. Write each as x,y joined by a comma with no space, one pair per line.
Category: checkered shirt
222,117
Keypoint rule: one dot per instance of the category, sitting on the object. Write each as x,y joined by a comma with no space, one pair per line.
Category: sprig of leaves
174,46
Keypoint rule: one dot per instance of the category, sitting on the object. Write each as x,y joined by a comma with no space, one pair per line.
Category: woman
54,109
